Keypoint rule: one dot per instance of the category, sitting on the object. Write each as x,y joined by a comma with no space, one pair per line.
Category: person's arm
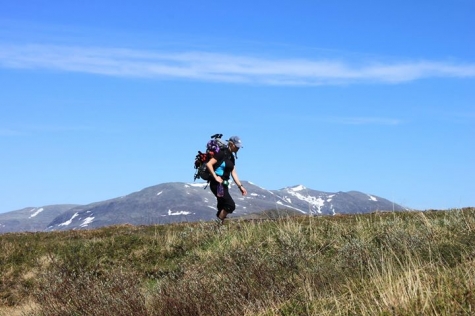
238,183
210,165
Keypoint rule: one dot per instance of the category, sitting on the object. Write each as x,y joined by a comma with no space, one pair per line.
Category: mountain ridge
180,201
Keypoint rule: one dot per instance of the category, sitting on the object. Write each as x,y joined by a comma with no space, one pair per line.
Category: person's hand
218,179
243,190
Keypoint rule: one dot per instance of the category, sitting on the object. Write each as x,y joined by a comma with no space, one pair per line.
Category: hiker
220,177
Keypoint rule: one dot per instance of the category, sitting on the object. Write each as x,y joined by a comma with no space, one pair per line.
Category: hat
236,141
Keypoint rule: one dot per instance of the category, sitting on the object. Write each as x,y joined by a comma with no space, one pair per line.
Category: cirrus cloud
218,67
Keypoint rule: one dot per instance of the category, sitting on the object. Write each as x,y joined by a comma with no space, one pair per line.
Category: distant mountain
31,218
178,201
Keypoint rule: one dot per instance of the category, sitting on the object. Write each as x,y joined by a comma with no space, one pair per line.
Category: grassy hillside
409,263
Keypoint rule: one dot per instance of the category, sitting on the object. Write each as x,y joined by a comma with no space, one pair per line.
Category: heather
383,263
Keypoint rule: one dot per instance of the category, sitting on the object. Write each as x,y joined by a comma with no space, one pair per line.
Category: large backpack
214,146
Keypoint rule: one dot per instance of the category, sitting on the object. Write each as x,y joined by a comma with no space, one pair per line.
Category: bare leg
222,215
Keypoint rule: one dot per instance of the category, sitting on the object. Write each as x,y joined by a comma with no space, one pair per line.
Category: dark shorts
224,203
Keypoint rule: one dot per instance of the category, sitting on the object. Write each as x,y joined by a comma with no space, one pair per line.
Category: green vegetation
403,263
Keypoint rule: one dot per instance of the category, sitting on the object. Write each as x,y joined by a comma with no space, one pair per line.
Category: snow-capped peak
297,188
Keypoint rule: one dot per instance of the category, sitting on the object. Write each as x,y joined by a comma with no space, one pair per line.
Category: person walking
219,182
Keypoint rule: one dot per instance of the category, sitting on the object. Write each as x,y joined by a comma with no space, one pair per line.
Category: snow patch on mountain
332,209
298,188
68,222
313,201
38,211
170,213
372,198
87,221
318,203
196,185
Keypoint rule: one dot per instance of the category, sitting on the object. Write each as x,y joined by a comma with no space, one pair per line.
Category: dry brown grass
413,263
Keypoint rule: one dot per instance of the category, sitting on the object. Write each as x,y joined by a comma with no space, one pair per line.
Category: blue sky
100,99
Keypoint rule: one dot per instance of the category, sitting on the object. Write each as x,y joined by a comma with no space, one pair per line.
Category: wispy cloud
217,67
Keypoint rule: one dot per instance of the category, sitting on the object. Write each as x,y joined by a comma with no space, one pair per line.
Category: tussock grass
405,263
